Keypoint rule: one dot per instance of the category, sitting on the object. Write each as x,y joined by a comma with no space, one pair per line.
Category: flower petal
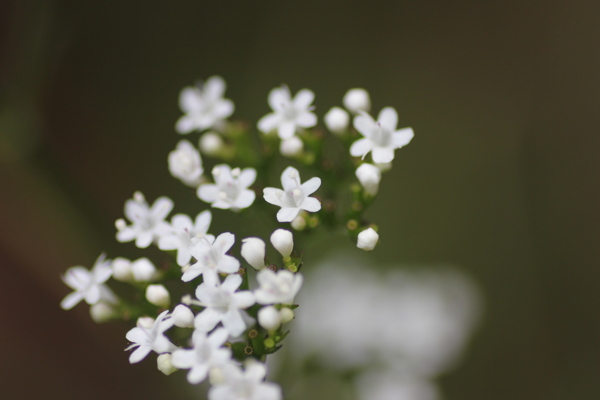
247,177
223,109
244,299
214,88
185,124
287,214
306,120
273,196
183,358
365,124
207,320
233,322
189,99
228,265
303,99
244,199
383,154
197,374
208,192
286,129
143,239
311,186
231,283
290,177
269,122
311,204
161,208
361,147
388,118
279,98
139,354
71,300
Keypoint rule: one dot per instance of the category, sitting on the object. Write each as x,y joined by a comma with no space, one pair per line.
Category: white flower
369,177
381,136
207,353
294,196
367,239
147,223
183,317
203,106
277,288
230,189
151,338
158,295
253,251
291,147
269,318
357,100
88,285
337,120
245,385
289,114
223,304
185,163
283,241
211,259
184,235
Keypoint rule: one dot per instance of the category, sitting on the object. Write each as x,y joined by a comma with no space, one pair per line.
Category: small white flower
367,239
204,106
223,304
148,223
206,354
294,196
289,114
269,318
230,189
245,385
185,163
211,143
148,339
369,177
158,295
183,317
102,312
277,288
253,251
380,137
283,241
88,285
291,147
356,100
337,120
211,259
184,235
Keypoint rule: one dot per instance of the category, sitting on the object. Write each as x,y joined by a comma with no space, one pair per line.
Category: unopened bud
102,312
122,269
253,251
291,147
164,364
337,120
357,100
367,239
299,223
211,143
369,177
283,241
269,318
158,295
143,270
145,322
286,315
183,317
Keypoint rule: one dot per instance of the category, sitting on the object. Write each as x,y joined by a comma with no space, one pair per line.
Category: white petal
244,299
231,283
207,320
290,178
365,124
193,272
233,322
303,99
185,124
139,354
197,374
269,122
223,109
256,371
361,147
183,256
286,129
203,221
183,358
181,222
143,239
279,98
137,335
218,337
135,211
383,154
228,265
224,242
161,208
126,235
71,300
189,99
271,196
208,192
77,278
170,242
306,120
214,87
247,177
402,137
267,391
287,214
311,204
244,199
311,186
388,118
92,295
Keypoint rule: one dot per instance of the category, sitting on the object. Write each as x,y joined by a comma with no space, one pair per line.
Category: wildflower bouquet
223,326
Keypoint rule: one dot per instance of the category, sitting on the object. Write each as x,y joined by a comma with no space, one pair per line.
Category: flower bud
253,251
145,322
158,295
183,317
291,147
298,223
337,120
369,177
211,144
164,364
286,315
283,241
143,270
367,239
357,100
269,318
102,312
185,163
122,269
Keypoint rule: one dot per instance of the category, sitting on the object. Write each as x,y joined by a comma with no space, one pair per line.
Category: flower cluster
225,330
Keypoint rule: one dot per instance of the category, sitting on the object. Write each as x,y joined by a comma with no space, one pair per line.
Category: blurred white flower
147,223
380,137
211,143
294,196
185,234
158,295
230,190
185,163
288,114
394,385
203,106
245,385
150,338
291,147
337,120
88,285
277,287
211,259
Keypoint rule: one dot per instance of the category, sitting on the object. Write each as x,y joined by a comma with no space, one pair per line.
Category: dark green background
501,178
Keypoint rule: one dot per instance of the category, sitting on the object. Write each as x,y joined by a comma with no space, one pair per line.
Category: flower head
211,259
203,106
230,190
223,304
88,285
150,338
288,114
185,234
381,136
294,196
148,223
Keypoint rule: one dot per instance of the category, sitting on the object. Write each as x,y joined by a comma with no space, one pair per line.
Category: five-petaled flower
185,234
230,190
149,338
148,223
288,114
294,196
88,285
203,106
211,259
380,137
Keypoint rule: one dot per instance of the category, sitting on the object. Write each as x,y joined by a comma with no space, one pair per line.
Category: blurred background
500,180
